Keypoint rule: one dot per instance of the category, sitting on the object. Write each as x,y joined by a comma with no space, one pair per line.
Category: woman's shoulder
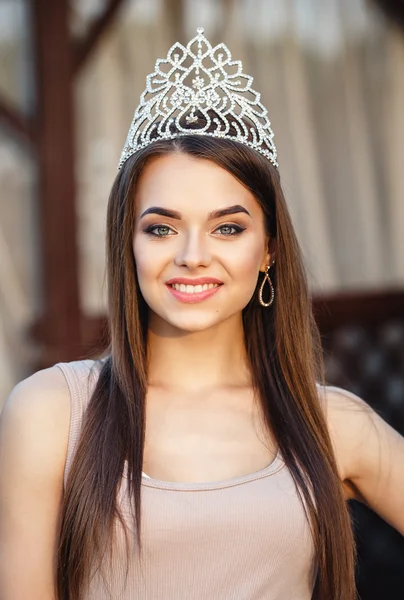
41,394
351,421
34,435
47,392
336,401
369,453
345,412
34,431
36,417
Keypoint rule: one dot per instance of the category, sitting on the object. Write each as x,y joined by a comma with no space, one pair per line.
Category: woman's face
199,242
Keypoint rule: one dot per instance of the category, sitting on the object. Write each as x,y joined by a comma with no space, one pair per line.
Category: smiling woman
203,457
218,238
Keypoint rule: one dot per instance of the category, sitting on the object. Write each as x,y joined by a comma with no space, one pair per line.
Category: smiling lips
193,290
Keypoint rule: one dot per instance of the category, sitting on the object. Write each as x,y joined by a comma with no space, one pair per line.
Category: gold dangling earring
272,290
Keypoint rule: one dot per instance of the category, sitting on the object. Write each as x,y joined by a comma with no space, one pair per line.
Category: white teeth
194,289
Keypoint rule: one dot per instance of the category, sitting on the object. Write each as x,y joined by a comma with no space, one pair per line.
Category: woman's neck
212,358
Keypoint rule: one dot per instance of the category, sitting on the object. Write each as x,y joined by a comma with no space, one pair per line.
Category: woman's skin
203,422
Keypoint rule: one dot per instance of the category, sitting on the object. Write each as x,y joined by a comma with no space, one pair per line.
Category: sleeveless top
245,538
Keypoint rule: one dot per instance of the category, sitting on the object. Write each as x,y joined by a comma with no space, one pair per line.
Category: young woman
202,457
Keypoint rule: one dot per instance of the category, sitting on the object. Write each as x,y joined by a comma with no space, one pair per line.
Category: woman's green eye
158,230
162,230
229,230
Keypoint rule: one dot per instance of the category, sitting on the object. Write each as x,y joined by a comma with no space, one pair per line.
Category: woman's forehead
186,183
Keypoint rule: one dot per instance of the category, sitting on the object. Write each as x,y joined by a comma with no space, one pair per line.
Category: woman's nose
193,251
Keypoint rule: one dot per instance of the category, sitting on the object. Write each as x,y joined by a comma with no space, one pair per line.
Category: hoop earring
271,287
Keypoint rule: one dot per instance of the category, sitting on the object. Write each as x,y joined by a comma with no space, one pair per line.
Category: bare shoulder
369,453
35,419
34,432
348,418
43,395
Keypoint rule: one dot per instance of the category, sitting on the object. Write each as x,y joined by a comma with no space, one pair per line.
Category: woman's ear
267,261
270,256
272,249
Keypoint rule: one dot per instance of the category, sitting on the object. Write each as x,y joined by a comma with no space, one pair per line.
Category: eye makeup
151,230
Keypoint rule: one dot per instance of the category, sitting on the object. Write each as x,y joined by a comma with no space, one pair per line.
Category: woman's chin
194,325
163,324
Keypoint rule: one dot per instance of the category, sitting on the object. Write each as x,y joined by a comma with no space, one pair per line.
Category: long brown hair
285,357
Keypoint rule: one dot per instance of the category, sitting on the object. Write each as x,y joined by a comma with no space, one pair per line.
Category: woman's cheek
248,258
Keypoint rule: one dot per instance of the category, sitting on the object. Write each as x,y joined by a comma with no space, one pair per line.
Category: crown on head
200,90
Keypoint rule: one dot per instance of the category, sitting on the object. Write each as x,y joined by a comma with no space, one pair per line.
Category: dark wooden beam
97,29
365,308
16,121
59,327
23,126
393,9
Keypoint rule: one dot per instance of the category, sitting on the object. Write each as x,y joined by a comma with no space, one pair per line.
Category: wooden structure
62,331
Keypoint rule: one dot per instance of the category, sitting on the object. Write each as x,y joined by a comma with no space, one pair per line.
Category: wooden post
59,325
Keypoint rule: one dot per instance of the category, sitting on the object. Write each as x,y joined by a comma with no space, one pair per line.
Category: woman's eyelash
151,230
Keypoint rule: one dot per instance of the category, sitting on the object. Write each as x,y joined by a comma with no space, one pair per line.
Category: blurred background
331,73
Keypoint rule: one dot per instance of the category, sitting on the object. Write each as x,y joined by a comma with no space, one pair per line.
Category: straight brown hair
285,357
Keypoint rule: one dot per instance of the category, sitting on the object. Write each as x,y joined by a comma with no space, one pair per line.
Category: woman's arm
370,454
34,427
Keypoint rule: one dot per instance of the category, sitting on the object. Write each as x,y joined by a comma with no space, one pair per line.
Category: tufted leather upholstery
368,359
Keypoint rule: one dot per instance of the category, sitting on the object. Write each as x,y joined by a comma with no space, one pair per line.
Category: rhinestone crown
200,90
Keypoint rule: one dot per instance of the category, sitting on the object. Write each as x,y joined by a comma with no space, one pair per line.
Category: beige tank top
245,538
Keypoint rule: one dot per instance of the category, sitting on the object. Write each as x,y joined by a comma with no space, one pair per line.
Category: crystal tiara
200,90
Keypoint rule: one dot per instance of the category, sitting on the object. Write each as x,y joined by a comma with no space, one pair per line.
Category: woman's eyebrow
216,214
